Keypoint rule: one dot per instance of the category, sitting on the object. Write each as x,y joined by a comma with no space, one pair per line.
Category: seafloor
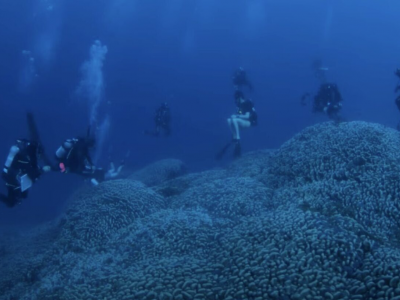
316,219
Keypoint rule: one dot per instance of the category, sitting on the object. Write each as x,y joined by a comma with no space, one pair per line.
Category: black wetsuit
24,162
76,156
328,100
162,120
248,107
240,79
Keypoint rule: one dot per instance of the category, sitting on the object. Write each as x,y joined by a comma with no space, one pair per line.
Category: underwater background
112,63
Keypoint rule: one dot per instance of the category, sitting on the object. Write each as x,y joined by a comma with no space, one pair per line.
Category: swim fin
34,136
33,132
223,151
238,150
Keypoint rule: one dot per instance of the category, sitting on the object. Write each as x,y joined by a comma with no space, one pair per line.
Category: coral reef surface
315,219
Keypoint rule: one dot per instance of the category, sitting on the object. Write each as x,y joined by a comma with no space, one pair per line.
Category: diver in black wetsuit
240,79
73,156
245,117
162,121
21,170
328,100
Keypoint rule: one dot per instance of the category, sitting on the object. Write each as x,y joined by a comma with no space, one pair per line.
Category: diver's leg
119,169
238,149
221,153
235,124
110,172
232,127
240,124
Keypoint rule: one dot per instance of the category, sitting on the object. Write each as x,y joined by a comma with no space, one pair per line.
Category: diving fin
33,132
238,150
223,151
34,136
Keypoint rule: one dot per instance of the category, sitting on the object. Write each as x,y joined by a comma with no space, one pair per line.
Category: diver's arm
47,168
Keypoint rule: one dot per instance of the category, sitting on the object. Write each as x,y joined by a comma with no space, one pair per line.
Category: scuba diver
73,156
162,120
328,100
240,79
21,170
245,117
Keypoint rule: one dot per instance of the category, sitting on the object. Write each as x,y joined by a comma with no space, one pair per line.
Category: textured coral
23,257
284,254
160,172
315,219
95,214
347,168
230,198
179,185
251,164
344,151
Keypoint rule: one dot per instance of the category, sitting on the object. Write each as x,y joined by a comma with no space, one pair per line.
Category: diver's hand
46,169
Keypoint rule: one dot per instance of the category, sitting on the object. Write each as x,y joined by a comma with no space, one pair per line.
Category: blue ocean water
183,52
